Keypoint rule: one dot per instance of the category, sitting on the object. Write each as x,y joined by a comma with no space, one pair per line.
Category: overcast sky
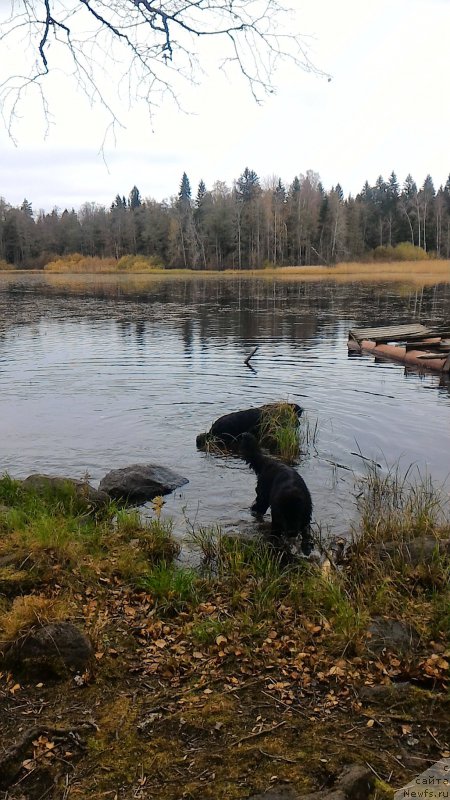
386,108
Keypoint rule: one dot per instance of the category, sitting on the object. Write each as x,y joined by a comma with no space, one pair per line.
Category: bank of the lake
221,682
417,272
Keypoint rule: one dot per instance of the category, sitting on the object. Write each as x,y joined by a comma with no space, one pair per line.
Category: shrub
405,251
78,263
132,263
4,265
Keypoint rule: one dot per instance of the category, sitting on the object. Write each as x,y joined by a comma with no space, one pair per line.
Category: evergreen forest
253,224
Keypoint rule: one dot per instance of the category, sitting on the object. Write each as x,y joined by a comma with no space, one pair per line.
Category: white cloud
384,109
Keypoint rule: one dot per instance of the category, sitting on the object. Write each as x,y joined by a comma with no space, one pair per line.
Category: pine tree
134,198
27,208
184,195
201,192
294,188
247,185
339,192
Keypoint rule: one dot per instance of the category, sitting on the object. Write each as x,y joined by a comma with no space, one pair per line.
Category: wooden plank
391,333
424,344
431,355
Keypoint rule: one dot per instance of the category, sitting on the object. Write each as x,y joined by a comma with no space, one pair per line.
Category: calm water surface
98,373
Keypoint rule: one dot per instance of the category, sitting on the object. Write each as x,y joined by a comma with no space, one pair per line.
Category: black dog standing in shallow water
284,490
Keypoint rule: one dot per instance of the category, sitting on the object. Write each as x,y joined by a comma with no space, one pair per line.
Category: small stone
392,635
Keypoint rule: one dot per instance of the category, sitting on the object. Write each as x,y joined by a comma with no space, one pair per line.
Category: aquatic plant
279,430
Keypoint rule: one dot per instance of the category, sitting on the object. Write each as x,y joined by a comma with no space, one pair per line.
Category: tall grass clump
154,537
279,430
396,506
399,564
252,573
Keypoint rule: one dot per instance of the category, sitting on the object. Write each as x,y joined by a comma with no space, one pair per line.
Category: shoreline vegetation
426,271
249,672
255,223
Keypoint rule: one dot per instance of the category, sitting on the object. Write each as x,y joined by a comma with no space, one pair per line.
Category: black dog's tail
251,452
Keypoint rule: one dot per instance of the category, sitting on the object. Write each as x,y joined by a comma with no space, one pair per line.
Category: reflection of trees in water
249,310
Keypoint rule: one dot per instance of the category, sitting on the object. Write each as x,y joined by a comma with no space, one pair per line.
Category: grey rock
331,795
356,782
391,634
422,550
281,792
392,693
140,482
86,496
53,649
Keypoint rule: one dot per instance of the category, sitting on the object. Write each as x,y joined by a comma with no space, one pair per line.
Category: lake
101,372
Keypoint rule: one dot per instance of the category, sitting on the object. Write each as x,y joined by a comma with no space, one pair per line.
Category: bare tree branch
149,41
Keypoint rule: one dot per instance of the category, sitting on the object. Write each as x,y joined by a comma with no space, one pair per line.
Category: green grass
397,506
248,578
279,430
206,632
173,588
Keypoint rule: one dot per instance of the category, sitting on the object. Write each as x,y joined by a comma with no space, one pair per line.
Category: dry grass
422,272
30,611
407,273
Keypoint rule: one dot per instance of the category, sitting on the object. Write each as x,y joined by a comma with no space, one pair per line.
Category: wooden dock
415,345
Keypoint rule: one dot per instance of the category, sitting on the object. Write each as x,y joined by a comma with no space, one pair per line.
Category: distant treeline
251,225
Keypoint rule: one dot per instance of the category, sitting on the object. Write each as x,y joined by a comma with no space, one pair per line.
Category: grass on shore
417,271
210,682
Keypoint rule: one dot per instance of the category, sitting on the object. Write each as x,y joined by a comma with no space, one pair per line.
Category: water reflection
103,372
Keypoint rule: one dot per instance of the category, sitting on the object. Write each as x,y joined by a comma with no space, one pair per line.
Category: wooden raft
413,344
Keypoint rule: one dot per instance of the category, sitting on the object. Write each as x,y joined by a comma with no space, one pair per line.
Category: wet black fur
283,489
227,429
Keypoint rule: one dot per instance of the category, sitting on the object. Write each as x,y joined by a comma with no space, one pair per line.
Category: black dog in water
283,489
227,429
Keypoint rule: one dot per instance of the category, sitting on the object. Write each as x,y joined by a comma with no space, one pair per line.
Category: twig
246,361
291,708
434,737
377,774
13,753
279,758
262,732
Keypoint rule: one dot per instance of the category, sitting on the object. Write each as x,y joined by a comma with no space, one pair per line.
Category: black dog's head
201,440
248,447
